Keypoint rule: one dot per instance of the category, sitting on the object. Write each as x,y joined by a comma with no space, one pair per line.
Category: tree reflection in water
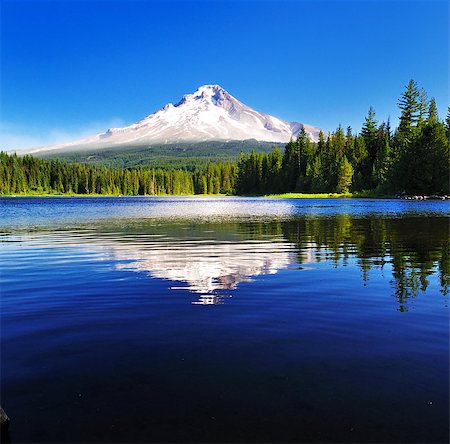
416,247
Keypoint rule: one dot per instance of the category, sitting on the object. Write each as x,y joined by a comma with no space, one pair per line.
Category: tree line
413,158
30,175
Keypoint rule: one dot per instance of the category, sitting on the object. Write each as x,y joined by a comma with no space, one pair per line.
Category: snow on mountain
210,113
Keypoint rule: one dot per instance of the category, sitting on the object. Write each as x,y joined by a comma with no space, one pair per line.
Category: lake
197,319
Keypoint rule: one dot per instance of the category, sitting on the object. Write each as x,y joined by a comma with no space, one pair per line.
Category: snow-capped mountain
209,114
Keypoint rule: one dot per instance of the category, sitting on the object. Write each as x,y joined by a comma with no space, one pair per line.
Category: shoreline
267,196
311,196
356,195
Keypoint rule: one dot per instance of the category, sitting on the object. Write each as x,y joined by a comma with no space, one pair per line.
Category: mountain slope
182,155
209,114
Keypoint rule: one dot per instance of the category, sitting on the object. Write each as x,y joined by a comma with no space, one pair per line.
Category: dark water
224,320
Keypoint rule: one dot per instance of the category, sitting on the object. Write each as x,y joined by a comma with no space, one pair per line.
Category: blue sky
73,68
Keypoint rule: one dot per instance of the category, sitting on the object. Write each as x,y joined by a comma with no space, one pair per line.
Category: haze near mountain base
209,114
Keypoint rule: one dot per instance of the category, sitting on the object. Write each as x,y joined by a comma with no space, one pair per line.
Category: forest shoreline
355,195
269,196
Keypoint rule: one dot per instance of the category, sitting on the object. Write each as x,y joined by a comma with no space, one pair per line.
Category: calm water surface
224,320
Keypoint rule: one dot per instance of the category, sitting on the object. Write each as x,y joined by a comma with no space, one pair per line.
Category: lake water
224,320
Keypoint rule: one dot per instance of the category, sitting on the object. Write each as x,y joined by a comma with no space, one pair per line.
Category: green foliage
423,166
414,160
345,176
419,158
410,107
369,133
29,175
432,111
423,106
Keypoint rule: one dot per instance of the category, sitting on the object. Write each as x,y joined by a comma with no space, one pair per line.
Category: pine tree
410,107
338,142
291,165
369,134
349,145
335,149
314,173
321,142
382,161
303,152
345,176
359,164
423,106
274,161
388,130
432,111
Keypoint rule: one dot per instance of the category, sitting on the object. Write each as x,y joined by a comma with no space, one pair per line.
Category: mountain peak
210,93
212,87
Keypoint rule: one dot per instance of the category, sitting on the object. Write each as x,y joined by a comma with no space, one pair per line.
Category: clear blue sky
76,68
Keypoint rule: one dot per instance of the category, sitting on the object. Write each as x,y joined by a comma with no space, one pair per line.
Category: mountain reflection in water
211,258
204,267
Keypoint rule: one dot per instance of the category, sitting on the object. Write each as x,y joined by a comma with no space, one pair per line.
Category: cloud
21,139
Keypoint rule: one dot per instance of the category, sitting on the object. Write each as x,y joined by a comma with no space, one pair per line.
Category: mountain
209,114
